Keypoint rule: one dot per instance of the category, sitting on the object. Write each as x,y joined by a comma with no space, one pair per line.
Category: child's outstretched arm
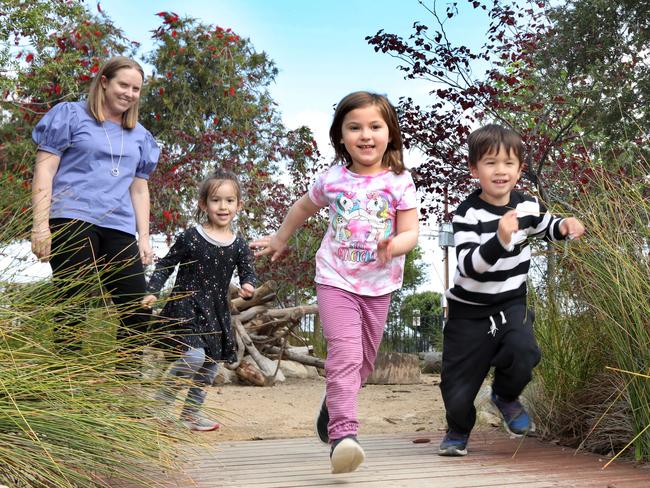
405,238
276,244
572,228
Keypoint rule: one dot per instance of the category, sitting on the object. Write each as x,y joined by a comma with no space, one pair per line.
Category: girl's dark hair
210,185
393,157
490,138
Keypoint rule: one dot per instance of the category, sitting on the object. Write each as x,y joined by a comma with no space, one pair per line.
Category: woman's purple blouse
83,186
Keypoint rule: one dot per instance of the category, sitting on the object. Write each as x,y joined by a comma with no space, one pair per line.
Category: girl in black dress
198,308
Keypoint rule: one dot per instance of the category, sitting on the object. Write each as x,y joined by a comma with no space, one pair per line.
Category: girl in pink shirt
373,223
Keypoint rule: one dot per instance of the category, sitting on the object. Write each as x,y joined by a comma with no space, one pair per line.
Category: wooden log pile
263,334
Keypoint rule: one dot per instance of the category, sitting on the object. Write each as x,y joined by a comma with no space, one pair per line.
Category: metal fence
403,334
400,334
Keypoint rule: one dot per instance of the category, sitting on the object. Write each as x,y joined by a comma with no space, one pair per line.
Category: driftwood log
299,358
263,333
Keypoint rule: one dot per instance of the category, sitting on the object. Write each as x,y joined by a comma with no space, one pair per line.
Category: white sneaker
346,455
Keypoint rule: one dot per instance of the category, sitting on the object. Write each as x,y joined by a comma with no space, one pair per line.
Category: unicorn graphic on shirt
377,212
346,207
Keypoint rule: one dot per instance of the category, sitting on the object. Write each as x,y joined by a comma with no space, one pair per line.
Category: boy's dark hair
211,184
490,138
393,157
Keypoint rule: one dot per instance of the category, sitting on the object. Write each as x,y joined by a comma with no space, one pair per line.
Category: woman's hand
148,301
146,253
272,245
42,244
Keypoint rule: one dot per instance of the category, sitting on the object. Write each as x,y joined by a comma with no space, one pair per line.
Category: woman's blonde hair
96,91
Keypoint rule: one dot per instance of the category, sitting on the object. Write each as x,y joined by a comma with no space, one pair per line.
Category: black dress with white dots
197,312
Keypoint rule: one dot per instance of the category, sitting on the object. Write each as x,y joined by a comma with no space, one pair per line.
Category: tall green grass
80,418
594,329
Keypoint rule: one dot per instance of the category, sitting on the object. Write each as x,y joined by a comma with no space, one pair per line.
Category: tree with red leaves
207,103
525,76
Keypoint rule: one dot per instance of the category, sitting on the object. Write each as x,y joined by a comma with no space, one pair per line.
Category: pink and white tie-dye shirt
362,212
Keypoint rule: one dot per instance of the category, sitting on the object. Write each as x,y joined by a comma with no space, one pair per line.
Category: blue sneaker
515,418
453,444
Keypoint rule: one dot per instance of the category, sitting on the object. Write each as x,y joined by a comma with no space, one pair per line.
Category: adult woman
90,192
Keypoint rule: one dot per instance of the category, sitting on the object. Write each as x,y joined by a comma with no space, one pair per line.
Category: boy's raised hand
148,301
508,225
572,228
270,245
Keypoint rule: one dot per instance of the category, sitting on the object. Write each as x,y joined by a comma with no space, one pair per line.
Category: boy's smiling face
498,173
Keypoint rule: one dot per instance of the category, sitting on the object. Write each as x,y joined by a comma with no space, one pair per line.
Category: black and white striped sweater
489,277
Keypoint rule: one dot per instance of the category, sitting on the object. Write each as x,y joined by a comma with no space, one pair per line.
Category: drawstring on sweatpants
493,325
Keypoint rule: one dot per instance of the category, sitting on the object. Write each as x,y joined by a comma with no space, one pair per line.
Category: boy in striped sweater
489,324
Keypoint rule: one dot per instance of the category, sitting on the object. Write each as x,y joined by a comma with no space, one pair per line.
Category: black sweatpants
81,250
471,347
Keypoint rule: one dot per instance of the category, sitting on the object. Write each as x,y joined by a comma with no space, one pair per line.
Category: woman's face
121,92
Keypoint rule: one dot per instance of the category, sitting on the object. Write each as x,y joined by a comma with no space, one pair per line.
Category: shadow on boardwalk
394,461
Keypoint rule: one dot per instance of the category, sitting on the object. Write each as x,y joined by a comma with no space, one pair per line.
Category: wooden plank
394,461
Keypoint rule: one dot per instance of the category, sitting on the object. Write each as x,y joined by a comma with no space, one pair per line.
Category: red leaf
232,91
161,91
29,58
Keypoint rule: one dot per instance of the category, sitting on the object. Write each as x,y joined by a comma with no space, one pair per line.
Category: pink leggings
353,326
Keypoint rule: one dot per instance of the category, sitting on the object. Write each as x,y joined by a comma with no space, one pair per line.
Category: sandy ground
288,409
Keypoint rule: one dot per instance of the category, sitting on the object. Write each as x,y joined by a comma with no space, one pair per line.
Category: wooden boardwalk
395,461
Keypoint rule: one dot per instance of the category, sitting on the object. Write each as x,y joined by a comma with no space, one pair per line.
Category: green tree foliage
429,310
414,275
603,45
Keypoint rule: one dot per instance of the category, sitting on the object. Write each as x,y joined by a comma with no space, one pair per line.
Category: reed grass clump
73,417
594,328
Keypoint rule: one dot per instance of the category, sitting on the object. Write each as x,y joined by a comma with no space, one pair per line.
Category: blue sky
318,46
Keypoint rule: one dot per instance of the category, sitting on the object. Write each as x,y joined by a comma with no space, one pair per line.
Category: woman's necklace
115,170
